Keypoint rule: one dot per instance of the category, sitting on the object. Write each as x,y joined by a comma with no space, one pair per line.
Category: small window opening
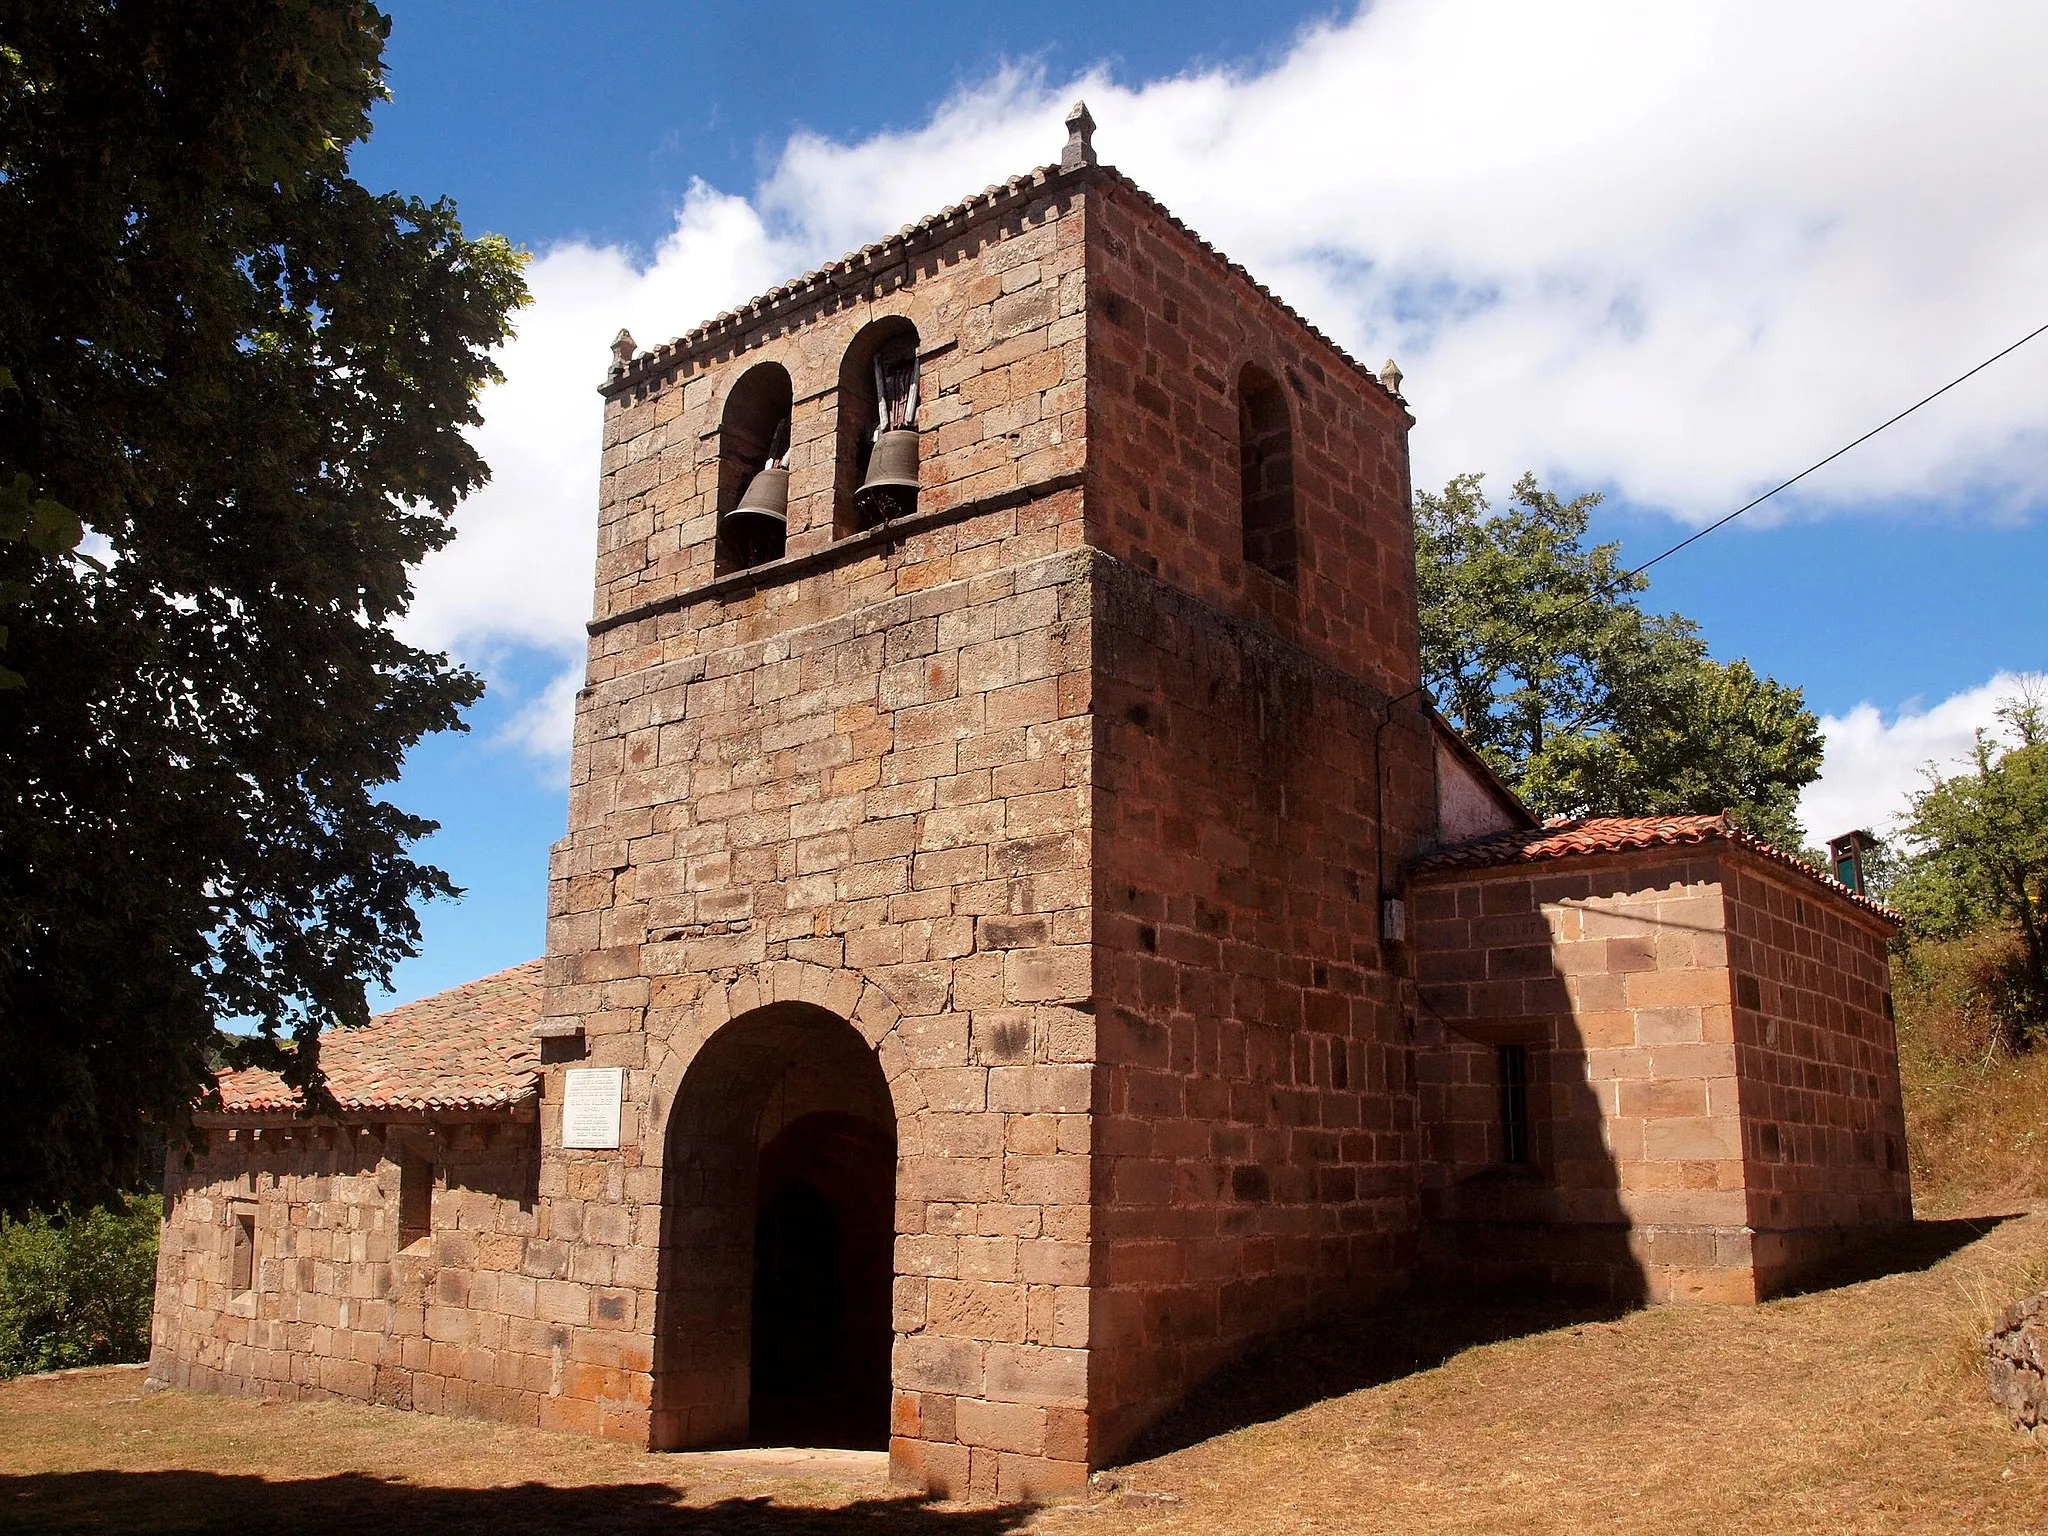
1265,453
753,469
878,430
242,1251
1514,1104
415,1199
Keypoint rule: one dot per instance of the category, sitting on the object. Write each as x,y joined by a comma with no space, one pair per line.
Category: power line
1722,522
1386,710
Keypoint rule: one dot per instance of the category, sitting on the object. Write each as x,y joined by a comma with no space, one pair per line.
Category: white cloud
1874,763
544,724
1680,251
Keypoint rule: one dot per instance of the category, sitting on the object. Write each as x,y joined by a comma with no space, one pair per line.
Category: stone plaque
590,1106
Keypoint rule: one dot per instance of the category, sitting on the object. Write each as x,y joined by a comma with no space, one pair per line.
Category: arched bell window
878,401
753,469
1265,457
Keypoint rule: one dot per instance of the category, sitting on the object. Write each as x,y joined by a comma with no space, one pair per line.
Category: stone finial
623,348
1390,376
1080,148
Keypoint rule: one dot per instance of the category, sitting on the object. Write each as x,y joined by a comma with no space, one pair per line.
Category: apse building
1022,932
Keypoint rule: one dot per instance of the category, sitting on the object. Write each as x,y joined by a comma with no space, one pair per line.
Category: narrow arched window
1265,457
878,443
753,469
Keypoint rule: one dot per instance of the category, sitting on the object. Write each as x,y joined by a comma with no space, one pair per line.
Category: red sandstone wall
1824,1131
1256,1135
1170,328
456,1323
1621,975
862,784
1256,1132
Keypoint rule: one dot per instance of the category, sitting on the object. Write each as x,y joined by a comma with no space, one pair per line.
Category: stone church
1022,931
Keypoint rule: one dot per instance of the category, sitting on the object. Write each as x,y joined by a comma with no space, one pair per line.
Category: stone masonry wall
457,1322
1823,1125
860,782
1612,973
1171,327
1256,1135
1657,1083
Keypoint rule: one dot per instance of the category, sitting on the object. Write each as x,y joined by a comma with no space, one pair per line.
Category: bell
755,529
891,483
767,495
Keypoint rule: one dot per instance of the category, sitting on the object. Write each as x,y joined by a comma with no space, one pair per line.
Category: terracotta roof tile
466,1048
1625,834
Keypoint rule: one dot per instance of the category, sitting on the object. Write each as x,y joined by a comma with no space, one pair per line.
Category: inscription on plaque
590,1106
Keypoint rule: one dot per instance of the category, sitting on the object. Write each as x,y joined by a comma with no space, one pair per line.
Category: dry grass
1852,1409
1855,1409
1976,1126
1976,1111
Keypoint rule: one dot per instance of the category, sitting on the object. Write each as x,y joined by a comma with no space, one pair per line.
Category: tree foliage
1539,653
249,377
1976,854
77,1290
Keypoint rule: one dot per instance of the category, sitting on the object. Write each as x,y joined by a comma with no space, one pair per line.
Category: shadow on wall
1608,989
205,1502
1522,1191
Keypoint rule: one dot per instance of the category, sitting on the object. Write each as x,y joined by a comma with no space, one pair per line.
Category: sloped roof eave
1606,836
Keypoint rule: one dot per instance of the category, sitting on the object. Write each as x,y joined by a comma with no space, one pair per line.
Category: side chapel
1022,932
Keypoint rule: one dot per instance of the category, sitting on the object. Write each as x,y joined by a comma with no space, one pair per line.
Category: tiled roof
466,1048
1625,834
652,364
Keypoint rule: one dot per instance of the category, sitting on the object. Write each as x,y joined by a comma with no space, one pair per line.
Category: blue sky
1673,258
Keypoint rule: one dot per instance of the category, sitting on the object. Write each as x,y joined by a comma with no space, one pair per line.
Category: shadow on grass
1292,1370
1901,1250
205,1503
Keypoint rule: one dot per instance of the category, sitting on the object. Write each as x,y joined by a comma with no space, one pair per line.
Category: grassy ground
1976,1111
1857,1408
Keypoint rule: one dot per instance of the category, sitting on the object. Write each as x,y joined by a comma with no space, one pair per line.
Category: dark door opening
823,1261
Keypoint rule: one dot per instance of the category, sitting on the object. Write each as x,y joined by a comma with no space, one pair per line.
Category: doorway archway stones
990,1272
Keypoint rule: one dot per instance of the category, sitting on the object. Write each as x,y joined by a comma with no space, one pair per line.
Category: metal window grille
1514,1103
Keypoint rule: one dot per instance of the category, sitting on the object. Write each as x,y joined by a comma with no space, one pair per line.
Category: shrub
1969,993
75,1289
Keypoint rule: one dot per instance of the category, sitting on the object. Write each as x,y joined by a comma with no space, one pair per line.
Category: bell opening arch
878,400
753,469
773,1321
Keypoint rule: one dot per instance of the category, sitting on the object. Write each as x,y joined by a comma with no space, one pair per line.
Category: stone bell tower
981,797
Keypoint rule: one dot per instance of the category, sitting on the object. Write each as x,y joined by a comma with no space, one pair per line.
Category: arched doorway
778,1239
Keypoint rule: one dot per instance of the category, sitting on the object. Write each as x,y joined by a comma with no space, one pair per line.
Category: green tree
250,378
1537,650
1977,852
77,1290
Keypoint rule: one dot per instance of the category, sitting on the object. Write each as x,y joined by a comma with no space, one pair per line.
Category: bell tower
976,806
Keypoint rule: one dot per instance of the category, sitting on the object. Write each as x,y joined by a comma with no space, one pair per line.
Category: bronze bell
890,488
756,529
767,495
